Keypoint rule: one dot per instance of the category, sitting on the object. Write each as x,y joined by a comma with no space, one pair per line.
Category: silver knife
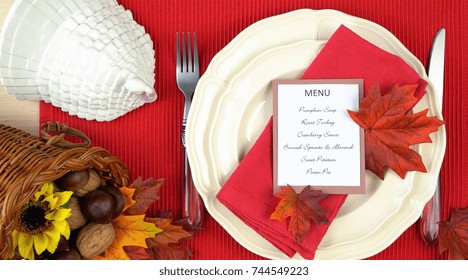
430,216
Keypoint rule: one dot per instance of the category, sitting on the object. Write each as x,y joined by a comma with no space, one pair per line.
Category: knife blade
429,227
436,65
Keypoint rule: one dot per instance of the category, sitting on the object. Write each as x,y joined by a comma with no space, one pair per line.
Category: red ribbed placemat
147,139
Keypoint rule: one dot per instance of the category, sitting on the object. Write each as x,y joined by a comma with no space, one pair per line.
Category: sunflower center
32,218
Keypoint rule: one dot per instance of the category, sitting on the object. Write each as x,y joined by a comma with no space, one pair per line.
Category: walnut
76,220
94,239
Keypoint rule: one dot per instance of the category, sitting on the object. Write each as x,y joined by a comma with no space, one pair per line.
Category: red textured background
147,139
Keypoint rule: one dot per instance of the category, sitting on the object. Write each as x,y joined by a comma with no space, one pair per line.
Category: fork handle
193,209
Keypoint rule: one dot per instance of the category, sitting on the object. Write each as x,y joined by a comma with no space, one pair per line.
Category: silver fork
187,75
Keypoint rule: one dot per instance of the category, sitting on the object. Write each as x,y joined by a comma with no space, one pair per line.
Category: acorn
98,207
119,199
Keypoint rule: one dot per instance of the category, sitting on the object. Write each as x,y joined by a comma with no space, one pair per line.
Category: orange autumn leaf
390,130
128,194
453,235
302,209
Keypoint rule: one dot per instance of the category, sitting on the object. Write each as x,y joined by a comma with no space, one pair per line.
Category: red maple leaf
302,209
453,235
390,129
146,194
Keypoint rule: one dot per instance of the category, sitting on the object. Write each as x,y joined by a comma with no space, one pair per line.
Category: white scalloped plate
233,103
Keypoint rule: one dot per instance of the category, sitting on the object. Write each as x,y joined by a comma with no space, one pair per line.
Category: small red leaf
302,209
453,235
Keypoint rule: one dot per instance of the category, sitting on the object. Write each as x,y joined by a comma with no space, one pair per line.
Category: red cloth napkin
248,192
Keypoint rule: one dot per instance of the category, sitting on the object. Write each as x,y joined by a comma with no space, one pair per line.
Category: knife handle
430,217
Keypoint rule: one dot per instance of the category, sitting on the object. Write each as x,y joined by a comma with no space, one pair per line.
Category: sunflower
41,222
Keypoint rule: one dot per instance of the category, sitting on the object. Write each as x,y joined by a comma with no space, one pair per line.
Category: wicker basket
27,162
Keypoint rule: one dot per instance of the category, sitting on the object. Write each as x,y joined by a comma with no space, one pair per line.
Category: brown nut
79,182
98,207
119,199
94,239
76,220
63,244
93,184
73,180
70,254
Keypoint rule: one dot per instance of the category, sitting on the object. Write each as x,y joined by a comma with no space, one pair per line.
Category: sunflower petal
66,232
53,239
63,228
58,215
40,242
46,189
14,236
41,192
52,242
49,188
52,200
62,197
25,245
60,226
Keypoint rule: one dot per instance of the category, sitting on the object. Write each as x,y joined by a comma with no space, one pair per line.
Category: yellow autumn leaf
129,231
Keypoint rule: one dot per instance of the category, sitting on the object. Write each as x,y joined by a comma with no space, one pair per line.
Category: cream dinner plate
233,103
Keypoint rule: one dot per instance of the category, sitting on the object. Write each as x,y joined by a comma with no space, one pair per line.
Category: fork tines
185,54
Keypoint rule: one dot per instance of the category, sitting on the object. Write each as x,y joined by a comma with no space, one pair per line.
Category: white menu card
316,143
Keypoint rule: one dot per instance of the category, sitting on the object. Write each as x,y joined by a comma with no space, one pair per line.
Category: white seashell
88,57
